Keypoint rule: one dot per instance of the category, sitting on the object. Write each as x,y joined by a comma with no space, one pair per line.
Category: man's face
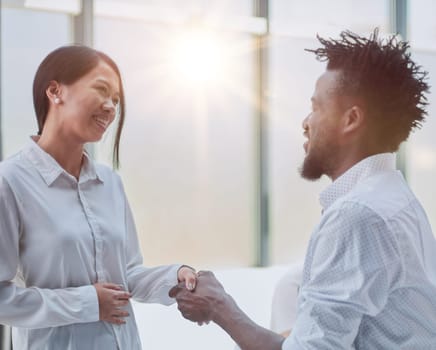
321,127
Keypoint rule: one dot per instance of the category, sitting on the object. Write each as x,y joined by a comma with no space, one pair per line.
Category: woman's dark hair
392,86
66,65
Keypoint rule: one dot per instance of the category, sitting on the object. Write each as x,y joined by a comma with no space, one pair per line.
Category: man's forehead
328,79
327,83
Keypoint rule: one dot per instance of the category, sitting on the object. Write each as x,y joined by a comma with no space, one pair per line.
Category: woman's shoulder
12,165
106,173
12,170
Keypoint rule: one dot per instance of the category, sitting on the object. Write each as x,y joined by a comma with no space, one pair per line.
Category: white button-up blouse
59,236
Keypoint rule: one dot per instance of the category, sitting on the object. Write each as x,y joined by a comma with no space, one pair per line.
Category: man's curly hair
381,72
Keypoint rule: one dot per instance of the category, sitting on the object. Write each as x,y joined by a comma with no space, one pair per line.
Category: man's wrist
224,307
246,333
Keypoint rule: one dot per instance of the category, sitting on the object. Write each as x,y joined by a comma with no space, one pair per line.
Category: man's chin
309,176
310,171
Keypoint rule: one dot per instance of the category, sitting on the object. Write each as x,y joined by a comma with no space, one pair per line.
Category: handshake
208,301
205,302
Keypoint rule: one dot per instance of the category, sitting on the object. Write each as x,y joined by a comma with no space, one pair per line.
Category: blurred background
216,91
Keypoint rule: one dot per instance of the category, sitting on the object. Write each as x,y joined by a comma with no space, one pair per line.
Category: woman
69,252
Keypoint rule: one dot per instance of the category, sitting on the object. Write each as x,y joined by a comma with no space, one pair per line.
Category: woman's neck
69,155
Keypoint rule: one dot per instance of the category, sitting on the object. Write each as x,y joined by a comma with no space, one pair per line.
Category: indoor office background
216,91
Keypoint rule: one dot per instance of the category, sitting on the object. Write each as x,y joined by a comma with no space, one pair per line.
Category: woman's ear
53,92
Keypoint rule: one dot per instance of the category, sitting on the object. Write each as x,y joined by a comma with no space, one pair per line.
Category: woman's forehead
103,72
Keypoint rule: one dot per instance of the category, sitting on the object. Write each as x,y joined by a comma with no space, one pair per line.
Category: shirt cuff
89,304
173,278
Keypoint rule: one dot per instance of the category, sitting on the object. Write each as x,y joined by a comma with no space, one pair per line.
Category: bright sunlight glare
197,56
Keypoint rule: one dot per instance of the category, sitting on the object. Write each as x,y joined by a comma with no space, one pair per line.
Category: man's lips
306,144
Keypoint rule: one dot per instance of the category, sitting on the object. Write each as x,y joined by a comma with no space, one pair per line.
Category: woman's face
89,105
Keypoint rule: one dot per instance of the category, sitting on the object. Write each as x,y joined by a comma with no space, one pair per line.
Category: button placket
98,242
96,235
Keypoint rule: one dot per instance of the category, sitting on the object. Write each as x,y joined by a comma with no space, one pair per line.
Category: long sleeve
34,307
284,300
147,284
352,265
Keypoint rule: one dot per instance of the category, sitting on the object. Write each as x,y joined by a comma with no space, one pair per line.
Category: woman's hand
111,299
188,275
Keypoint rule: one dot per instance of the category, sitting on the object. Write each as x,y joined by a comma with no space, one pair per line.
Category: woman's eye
102,89
116,101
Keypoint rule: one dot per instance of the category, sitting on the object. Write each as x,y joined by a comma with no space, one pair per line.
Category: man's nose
305,122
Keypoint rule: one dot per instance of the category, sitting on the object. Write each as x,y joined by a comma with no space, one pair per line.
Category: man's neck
351,159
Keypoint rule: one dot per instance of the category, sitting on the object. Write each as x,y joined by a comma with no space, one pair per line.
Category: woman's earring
57,100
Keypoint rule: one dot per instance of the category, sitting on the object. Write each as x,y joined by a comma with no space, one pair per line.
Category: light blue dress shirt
59,236
369,279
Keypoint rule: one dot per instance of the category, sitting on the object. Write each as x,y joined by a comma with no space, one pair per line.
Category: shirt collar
365,168
50,169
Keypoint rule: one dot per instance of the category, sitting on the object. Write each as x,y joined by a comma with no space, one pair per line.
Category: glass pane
421,147
294,201
187,153
307,18
26,38
194,7
422,26
293,73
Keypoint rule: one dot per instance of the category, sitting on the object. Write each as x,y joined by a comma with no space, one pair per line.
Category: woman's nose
109,106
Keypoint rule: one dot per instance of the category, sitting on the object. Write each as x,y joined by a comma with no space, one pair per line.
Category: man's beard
316,164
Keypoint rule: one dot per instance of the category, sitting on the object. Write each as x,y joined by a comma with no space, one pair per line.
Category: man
369,279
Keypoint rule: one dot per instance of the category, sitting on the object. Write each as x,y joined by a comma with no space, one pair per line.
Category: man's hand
210,302
111,300
201,304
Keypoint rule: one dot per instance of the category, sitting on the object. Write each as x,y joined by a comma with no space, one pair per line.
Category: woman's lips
102,122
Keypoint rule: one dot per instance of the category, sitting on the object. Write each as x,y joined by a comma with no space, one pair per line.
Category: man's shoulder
378,200
384,195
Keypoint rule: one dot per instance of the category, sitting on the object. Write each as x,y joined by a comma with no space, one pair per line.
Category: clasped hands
199,297
113,298
201,304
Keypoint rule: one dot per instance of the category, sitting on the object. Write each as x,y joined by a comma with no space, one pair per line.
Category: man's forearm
247,334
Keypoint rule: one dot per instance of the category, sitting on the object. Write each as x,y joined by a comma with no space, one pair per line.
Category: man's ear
354,118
